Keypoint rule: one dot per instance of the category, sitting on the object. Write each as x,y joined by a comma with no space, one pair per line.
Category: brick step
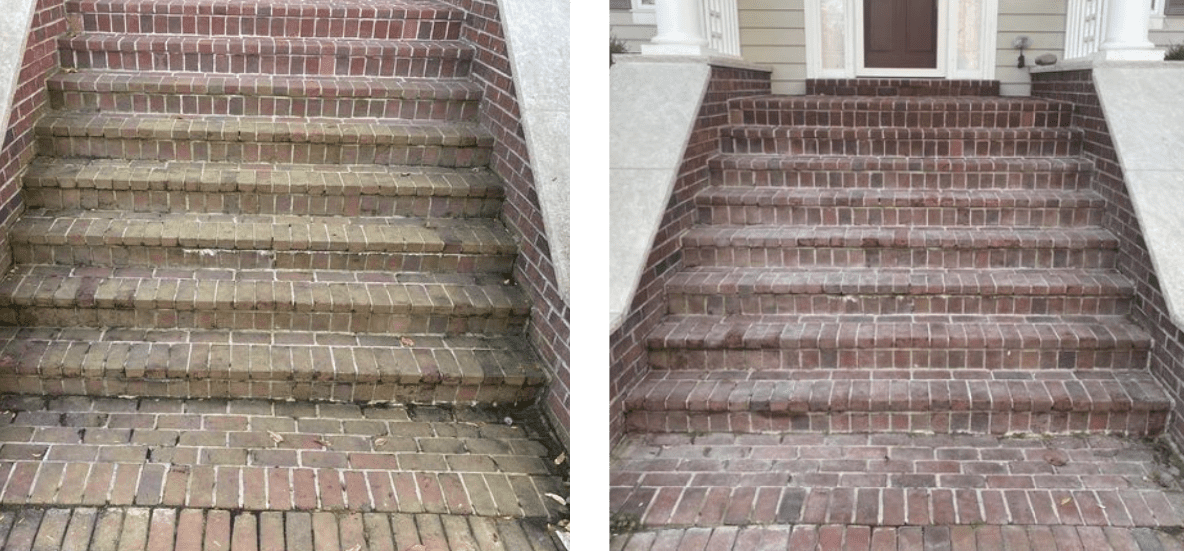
160,528
80,451
240,188
275,365
910,142
746,205
1128,402
902,341
901,87
747,291
406,19
894,480
266,55
874,172
267,95
258,241
263,139
901,111
899,247
294,300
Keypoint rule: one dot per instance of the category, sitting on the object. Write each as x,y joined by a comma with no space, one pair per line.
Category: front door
900,34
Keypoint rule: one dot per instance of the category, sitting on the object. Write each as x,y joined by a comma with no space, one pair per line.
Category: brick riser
901,87
937,112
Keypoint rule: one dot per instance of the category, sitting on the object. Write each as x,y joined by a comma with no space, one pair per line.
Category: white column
1127,22
680,29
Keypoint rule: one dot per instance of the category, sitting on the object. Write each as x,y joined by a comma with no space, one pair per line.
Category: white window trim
643,13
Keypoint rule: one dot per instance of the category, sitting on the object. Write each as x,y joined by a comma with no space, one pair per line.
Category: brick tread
222,454
187,529
272,95
894,141
754,291
808,537
300,300
894,172
896,207
901,87
901,111
902,236
896,480
266,55
278,365
865,331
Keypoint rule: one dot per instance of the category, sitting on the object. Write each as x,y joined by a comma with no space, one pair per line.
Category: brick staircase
882,259
244,211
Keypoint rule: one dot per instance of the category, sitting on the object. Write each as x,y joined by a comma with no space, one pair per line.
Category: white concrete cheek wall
14,31
540,57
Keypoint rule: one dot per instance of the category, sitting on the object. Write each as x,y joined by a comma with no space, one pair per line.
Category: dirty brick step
270,95
263,139
231,188
406,19
861,341
277,365
964,173
266,55
272,456
913,142
113,238
906,87
903,247
369,302
892,480
740,205
970,538
910,112
760,291
169,529
943,401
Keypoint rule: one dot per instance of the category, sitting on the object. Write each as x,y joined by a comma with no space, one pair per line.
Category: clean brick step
898,480
240,188
266,55
910,112
79,451
863,341
114,238
405,19
1128,402
263,139
294,300
278,365
969,173
895,207
912,142
269,95
747,291
899,247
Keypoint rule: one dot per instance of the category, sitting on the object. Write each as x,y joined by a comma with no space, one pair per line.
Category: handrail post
680,29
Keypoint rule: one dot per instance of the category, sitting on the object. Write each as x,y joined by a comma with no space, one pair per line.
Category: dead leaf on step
357,547
1066,501
559,460
407,341
275,437
380,441
558,499
321,443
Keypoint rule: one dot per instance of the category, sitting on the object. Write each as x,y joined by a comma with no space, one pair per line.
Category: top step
900,87
364,19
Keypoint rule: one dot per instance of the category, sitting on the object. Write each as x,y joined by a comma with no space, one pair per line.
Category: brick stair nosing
337,19
895,172
278,365
270,95
266,55
911,142
367,302
765,291
942,401
913,112
901,87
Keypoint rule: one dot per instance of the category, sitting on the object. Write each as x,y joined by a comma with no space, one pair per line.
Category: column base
1141,54
675,49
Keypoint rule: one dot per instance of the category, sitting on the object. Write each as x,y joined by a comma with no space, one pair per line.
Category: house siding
773,34
633,34
1043,21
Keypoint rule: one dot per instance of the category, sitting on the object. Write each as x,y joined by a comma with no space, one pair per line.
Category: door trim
861,70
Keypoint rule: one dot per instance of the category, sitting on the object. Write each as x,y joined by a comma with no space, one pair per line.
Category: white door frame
949,37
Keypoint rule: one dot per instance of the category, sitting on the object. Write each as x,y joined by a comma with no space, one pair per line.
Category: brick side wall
550,320
1149,309
29,102
628,353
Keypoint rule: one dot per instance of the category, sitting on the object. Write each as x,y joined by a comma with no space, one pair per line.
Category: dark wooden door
900,34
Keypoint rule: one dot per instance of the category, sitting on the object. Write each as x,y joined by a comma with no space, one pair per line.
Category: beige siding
1171,33
773,33
621,25
1041,20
